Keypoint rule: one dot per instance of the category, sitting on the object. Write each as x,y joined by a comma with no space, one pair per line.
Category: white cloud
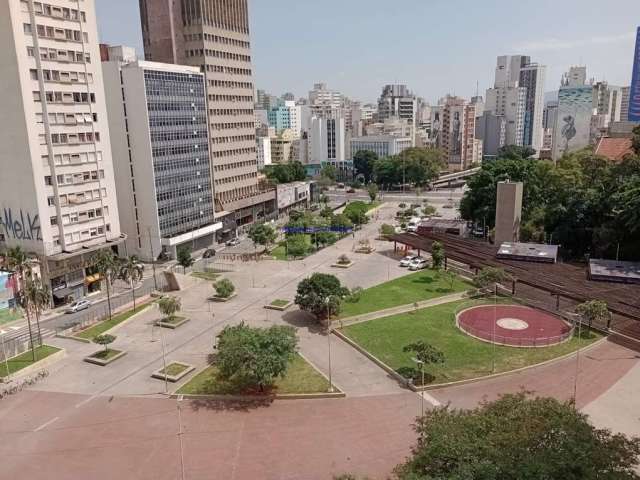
556,44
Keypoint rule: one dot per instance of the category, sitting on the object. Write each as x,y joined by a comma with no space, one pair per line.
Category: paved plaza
116,421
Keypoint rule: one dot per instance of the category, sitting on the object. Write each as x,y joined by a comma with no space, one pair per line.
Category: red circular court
513,325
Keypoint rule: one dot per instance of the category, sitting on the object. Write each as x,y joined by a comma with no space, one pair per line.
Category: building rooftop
535,252
614,149
379,138
614,270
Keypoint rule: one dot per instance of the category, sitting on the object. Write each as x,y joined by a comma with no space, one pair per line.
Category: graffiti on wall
17,225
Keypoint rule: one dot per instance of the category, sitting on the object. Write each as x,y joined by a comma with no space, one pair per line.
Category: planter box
280,308
366,250
343,265
216,298
103,362
172,325
173,378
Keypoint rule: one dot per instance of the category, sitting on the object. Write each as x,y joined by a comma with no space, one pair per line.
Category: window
53,221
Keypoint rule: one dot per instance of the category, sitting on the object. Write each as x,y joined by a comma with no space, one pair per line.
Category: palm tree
106,264
39,297
131,271
22,265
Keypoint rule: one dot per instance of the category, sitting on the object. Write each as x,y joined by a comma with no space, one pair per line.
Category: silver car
406,261
78,305
418,264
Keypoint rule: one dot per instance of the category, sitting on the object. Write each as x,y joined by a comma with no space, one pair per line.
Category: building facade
381,145
286,116
491,130
57,189
159,137
214,36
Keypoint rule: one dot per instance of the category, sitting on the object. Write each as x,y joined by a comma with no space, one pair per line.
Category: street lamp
421,363
328,302
577,318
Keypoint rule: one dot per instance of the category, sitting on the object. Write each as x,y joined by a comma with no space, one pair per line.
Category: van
413,224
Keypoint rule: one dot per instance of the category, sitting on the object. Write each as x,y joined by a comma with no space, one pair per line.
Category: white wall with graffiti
573,123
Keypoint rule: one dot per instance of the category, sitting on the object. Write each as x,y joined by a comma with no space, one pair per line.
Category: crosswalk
22,331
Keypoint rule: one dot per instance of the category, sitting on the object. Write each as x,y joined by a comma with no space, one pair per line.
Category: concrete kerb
39,365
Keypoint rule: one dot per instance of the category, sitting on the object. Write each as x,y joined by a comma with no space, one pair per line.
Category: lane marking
46,424
85,401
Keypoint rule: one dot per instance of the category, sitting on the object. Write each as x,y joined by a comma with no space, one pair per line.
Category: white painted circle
512,324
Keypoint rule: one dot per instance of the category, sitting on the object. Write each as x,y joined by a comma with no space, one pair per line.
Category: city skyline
603,43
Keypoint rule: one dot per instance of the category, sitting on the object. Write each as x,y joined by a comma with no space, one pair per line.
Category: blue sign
634,93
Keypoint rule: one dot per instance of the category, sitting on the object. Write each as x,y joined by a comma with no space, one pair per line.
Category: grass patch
7,315
106,354
372,205
280,303
280,252
26,359
174,369
300,378
172,320
101,327
416,287
465,357
209,276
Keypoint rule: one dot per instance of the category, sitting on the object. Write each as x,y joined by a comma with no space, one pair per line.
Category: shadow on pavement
300,319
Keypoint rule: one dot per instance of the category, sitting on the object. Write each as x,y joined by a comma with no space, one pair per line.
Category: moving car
208,253
418,264
233,242
78,305
406,261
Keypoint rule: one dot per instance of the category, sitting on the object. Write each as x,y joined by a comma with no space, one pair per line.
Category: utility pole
153,260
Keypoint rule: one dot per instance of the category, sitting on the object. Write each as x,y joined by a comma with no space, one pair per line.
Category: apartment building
159,138
381,145
214,36
57,189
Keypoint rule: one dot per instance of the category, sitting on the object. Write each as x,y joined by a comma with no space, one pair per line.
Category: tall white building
321,95
327,139
57,189
381,145
159,137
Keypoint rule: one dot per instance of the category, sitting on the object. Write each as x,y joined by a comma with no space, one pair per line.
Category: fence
10,347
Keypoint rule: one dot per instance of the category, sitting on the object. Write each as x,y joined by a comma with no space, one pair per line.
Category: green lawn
25,359
465,357
279,253
6,315
300,378
372,205
174,369
279,303
209,276
101,327
106,354
415,287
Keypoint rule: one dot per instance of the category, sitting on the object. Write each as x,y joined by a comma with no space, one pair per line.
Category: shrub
344,260
105,340
224,288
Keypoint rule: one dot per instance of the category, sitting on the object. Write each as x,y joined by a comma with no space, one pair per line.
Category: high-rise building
397,101
286,116
282,147
327,138
264,151
492,131
57,189
160,143
321,95
214,35
518,96
381,145
457,134
624,105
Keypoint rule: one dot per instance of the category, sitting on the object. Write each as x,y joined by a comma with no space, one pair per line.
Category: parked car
78,306
413,224
208,253
406,261
233,242
418,264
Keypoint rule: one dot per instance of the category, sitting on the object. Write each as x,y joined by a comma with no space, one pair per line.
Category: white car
418,264
78,305
406,261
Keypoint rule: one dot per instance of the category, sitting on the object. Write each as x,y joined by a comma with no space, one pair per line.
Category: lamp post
575,378
421,363
328,302
495,320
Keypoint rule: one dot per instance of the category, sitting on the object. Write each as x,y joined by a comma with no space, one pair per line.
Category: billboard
634,91
6,290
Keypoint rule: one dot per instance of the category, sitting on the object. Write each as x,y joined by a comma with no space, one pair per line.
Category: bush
355,295
357,212
224,288
297,245
387,229
344,260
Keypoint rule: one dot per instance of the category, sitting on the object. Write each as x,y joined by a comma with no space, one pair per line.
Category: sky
434,46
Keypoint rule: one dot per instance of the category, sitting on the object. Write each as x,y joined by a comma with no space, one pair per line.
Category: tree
297,245
326,212
255,357
224,288
515,152
424,353
437,255
594,311
517,437
363,163
38,297
448,277
263,234
20,262
185,260
106,264
329,172
169,306
320,294
421,165
386,172
429,210
357,212
341,223
386,230
635,140
131,272
105,339
373,190
489,276
286,172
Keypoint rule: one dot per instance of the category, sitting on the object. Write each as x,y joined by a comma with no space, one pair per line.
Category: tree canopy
584,203
363,164
263,234
285,172
319,294
517,437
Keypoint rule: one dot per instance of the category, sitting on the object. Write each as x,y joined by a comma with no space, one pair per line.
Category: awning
92,279
62,293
